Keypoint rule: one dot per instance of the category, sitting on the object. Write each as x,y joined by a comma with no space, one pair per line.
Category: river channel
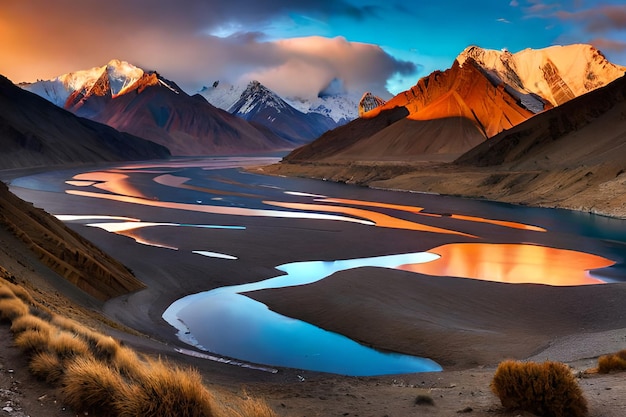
201,233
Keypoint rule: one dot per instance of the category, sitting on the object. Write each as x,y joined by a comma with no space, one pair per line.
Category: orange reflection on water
110,181
381,220
418,210
512,263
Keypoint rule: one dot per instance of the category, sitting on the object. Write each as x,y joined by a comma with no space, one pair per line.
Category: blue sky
295,48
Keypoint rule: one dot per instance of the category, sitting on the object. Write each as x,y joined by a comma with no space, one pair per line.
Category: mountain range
145,104
484,93
35,132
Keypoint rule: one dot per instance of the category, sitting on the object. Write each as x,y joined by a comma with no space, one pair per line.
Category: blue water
224,321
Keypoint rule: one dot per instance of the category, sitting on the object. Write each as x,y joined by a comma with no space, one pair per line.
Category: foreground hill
64,251
34,132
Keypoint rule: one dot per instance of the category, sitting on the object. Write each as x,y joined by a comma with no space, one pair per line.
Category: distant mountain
449,112
332,101
147,105
256,103
369,102
589,130
34,132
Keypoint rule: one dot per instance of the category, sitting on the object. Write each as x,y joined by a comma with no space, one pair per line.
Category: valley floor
464,389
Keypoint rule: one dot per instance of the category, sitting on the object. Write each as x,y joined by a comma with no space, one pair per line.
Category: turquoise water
225,321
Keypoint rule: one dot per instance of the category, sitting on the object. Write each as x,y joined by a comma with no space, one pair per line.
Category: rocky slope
571,157
34,132
147,105
64,251
483,93
369,102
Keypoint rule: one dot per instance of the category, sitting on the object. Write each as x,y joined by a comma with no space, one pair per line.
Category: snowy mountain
330,102
120,75
36,132
259,105
449,112
157,110
549,76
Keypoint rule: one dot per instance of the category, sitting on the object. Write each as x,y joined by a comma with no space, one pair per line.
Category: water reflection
225,322
513,264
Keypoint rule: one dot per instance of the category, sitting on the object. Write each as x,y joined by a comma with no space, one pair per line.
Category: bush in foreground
99,376
548,389
612,362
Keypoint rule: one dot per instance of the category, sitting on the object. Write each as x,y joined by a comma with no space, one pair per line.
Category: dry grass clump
30,322
12,308
612,362
548,389
47,366
32,341
166,389
99,376
91,386
67,345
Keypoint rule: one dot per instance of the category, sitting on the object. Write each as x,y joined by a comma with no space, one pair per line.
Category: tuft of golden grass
105,348
167,390
547,389
30,322
67,345
98,375
47,366
253,407
613,362
6,293
91,386
12,308
32,341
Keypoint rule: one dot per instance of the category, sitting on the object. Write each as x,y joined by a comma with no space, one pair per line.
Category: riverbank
597,189
588,326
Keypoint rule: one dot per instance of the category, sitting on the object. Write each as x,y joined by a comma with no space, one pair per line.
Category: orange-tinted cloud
43,39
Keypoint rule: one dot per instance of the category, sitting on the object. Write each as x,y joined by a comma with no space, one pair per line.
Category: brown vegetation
612,362
548,389
99,376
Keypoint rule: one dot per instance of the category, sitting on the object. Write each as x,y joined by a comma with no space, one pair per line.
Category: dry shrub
47,366
612,362
167,390
67,345
33,341
30,322
253,407
21,293
12,308
6,293
105,348
548,389
91,386
128,363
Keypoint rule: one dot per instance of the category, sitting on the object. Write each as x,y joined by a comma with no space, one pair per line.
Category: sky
296,48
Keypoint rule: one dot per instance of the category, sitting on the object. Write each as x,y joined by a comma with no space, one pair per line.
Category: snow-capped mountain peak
255,96
557,73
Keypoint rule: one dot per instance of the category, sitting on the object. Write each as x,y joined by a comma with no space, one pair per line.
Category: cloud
597,20
604,44
502,20
177,41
